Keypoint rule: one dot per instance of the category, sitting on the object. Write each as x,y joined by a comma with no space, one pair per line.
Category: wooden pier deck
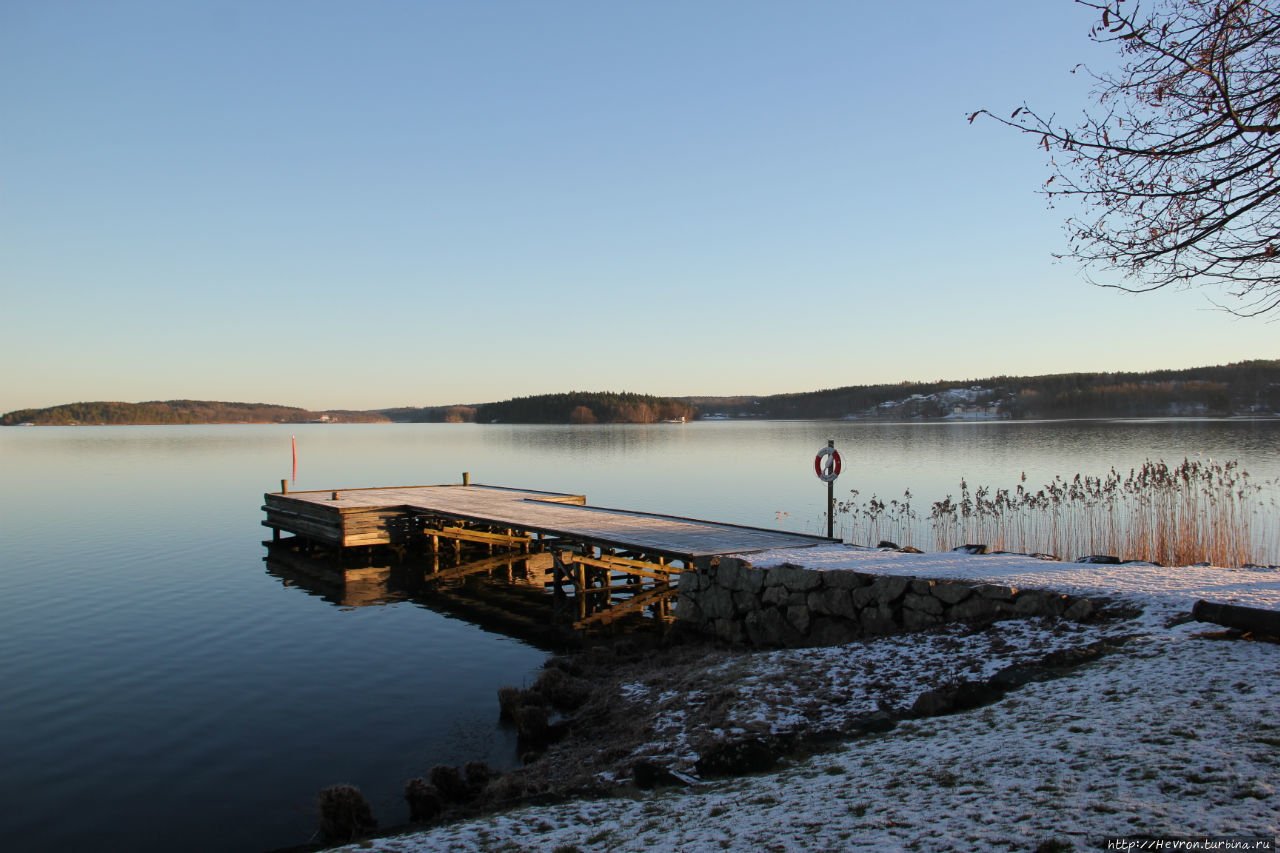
386,516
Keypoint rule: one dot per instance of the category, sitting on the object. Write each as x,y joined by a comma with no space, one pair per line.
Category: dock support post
466,478
284,487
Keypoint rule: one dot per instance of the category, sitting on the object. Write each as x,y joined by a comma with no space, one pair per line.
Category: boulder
887,588
950,592
878,620
970,549
844,579
794,578
1079,610
999,592
976,608
798,616
648,775
736,758
922,603
833,631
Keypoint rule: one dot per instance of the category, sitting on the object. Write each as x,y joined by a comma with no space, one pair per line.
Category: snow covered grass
1172,734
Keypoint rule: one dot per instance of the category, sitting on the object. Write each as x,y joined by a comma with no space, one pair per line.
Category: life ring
827,464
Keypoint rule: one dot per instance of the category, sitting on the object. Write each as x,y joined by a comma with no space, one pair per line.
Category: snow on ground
1173,734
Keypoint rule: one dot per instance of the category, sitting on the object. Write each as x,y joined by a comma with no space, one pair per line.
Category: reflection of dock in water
510,593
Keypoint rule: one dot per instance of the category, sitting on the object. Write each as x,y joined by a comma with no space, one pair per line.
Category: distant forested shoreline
162,412
1250,388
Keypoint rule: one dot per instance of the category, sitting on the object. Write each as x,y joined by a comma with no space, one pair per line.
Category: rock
1079,610
949,592
878,620
648,775
833,631
1049,557
933,703
885,543
1000,592
832,602
689,583
726,574
915,620
975,694
794,578
716,603
887,588
877,722
845,579
970,549
922,603
1034,602
750,579
772,624
687,609
907,549
744,602
1101,559
736,758
862,596
798,616
973,609
773,595
1016,675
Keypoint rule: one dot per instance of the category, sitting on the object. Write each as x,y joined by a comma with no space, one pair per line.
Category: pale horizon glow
355,206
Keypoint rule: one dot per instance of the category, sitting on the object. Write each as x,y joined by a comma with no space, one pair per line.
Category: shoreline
661,712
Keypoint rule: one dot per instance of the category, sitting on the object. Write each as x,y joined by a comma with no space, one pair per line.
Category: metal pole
831,501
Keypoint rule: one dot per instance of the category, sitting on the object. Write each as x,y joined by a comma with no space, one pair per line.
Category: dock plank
547,513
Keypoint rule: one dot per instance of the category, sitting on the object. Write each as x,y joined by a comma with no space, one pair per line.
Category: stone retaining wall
791,606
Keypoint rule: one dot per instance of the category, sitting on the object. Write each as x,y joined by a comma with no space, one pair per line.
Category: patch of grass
602,835
834,770
858,809
717,811
1054,845
567,848
765,800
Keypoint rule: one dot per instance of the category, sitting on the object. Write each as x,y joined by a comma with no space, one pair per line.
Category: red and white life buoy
827,464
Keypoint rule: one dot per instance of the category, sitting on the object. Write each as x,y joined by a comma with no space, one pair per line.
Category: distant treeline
178,412
1244,388
431,415
1249,387
580,407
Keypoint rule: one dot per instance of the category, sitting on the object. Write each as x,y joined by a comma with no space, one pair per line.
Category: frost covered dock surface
373,516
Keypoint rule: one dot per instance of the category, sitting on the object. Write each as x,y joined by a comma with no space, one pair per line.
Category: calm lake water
162,690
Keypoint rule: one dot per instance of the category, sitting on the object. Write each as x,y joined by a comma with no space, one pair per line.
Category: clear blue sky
366,204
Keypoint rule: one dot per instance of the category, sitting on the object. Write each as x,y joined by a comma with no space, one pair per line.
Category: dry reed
1193,512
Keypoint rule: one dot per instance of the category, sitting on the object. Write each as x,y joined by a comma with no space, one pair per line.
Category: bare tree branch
1176,168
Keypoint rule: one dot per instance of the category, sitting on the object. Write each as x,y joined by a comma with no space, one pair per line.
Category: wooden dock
616,563
396,515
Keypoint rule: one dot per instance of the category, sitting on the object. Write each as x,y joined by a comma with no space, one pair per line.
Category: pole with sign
827,466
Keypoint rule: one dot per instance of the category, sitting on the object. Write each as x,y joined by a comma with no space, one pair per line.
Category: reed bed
1199,511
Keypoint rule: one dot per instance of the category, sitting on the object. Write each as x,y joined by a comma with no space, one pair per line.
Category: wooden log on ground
1252,619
